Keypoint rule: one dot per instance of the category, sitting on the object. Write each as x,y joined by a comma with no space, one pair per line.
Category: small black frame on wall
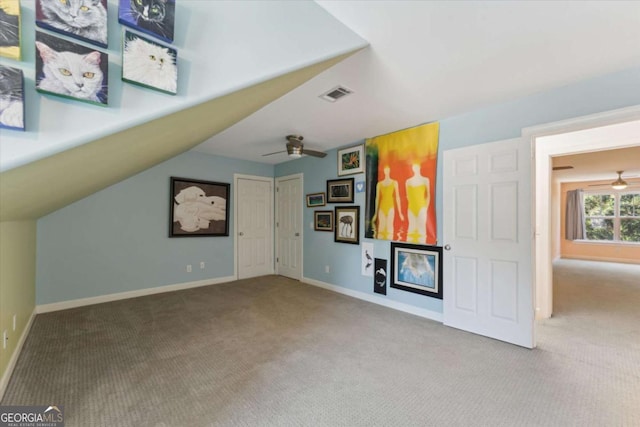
198,208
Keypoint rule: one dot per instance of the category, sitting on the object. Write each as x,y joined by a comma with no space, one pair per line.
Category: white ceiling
599,165
429,60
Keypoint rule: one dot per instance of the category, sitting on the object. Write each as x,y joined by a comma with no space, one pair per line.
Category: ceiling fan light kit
295,148
619,184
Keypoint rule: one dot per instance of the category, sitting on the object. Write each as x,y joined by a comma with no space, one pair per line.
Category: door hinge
277,259
277,189
277,224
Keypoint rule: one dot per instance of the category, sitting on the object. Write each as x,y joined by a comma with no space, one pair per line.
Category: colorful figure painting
153,17
401,175
84,20
11,98
10,29
70,70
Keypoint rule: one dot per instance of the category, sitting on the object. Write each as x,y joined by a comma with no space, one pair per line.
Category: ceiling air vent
336,93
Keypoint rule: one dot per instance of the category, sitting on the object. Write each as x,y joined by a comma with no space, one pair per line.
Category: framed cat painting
69,70
11,98
153,17
10,29
84,20
149,64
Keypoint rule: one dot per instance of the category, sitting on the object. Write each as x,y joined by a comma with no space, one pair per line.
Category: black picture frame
198,208
417,268
347,224
315,200
323,220
340,190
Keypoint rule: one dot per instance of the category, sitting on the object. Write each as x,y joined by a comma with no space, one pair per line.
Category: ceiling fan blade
275,152
313,153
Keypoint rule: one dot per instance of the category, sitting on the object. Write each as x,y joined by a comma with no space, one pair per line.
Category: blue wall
116,240
493,123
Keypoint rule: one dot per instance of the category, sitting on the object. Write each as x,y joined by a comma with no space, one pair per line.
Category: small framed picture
11,98
315,199
417,268
340,190
155,18
10,29
83,20
351,160
198,208
149,64
71,70
323,220
347,220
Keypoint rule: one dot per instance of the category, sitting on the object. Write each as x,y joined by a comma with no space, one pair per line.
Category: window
612,216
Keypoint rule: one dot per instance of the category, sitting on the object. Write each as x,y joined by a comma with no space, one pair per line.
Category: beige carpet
274,352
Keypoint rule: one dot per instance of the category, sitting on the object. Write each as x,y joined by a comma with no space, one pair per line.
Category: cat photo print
153,17
85,20
149,64
70,70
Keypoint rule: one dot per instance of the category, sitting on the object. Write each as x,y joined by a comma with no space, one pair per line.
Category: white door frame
579,135
302,227
236,177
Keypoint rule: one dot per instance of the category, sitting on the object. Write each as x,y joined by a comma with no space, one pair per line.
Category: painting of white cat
85,20
149,64
11,98
70,70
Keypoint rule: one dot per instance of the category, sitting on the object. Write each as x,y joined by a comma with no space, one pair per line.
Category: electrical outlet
188,268
202,265
5,338
327,269
14,322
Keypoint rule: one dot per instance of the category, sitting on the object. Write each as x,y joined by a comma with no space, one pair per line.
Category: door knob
447,247
241,233
297,234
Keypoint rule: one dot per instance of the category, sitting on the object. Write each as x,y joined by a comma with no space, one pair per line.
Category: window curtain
574,216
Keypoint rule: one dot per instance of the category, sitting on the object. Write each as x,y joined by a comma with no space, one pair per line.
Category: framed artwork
149,64
351,160
10,29
315,199
323,220
380,276
198,208
401,184
70,70
347,220
153,17
366,259
83,20
340,190
417,268
11,98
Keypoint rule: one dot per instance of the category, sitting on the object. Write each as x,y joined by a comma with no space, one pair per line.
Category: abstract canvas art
401,175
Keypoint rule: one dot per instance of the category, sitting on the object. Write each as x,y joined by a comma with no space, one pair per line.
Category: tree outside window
612,216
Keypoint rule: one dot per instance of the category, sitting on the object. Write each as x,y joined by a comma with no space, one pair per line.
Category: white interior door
289,226
487,231
254,226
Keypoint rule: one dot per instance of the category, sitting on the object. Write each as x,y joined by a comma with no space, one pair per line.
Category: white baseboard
64,305
4,382
604,259
422,312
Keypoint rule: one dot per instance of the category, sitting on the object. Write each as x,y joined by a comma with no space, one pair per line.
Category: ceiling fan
618,184
295,148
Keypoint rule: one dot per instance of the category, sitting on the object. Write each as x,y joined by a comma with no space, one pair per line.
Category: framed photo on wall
323,220
417,268
340,190
351,160
347,219
198,208
315,199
